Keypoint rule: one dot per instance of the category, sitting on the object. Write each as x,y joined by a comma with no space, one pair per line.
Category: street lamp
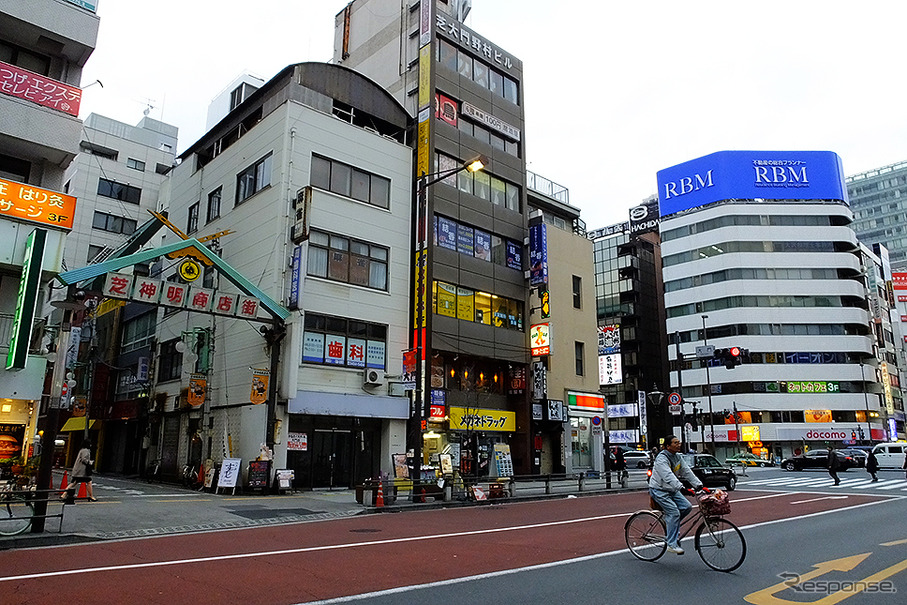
422,225
708,384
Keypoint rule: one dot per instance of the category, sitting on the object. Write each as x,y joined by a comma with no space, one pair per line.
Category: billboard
769,175
538,254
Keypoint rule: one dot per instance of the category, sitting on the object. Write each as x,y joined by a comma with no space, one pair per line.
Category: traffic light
731,357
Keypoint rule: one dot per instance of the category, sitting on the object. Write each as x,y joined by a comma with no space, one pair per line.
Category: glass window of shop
581,442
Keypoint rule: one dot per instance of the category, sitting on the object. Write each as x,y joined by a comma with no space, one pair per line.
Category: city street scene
404,301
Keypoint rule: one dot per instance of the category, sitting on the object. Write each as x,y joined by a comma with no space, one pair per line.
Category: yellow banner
749,433
423,164
817,415
476,419
424,76
260,386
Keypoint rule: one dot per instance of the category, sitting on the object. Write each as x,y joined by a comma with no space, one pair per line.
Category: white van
890,455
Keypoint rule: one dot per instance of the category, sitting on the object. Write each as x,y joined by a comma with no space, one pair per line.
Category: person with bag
82,469
667,490
872,466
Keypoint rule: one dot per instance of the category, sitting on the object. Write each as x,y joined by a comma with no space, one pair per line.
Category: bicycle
19,512
719,542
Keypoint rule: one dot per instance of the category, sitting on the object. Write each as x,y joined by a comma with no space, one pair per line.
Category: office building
878,199
43,46
759,254
466,93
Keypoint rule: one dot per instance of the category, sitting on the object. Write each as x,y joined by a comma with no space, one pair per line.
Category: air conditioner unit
372,376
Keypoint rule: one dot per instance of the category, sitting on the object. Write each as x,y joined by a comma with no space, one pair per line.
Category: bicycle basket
713,505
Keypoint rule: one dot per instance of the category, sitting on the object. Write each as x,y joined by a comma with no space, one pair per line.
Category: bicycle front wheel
15,516
720,544
645,535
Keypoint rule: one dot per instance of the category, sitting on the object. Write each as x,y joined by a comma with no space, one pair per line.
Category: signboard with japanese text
538,254
610,369
817,415
147,289
295,279
44,91
555,410
297,442
260,379
36,205
517,379
229,473
586,402
173,294
476,419
200,299
26,301
622,410
609,339
623,436
355,352
198,386
539,380
334,348
446,109
259,473
540,339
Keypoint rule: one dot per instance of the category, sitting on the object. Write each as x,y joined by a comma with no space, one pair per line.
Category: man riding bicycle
667,490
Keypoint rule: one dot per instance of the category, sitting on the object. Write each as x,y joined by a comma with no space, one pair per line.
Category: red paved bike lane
311,561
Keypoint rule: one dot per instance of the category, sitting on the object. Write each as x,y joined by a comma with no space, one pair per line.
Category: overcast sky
613,91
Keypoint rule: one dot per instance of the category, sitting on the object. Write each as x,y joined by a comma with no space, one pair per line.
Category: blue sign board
538,255
768,175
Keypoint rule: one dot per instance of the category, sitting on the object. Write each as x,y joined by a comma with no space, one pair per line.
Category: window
214,204
138,332
192,223
14,168
479,307
578,354
344,342
253,179
577,292
118,191
474,242
481,184
93,252
113,224
26,59
351,261
135,164
170,361
348,181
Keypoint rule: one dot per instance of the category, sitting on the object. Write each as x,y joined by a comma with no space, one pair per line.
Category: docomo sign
817,434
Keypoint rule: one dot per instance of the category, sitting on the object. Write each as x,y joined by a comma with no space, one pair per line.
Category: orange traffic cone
379,497
83,490
64,482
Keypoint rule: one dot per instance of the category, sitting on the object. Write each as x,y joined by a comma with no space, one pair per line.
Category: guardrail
404,491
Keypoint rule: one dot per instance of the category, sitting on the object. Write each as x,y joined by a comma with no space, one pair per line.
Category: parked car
859,456
748,459
817,459
890,455
637,459
711,472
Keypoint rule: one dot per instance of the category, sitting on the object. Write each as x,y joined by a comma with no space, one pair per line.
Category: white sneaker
675,549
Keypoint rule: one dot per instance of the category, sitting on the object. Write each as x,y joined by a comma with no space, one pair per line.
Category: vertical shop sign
260,379
27,300
538,255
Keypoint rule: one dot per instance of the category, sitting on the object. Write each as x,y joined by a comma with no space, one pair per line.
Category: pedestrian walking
620,464
833,464
82,469
872,466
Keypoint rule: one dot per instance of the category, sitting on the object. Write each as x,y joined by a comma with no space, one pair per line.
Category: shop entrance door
332,453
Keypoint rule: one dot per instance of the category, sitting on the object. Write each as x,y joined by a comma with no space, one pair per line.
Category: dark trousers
834,475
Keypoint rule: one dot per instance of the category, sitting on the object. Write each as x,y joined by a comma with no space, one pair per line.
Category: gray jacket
666,470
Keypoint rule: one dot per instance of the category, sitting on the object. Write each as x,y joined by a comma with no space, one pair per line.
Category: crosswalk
805,482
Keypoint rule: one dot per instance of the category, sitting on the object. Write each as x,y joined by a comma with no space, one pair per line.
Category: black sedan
711,472
817,459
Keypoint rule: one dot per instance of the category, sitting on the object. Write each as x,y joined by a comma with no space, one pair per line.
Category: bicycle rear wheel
720,544
15,516
645,535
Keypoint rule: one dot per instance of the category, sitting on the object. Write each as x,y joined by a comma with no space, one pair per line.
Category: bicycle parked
16,512
719,542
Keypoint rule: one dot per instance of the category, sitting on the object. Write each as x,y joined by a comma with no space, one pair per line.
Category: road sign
676,409
705,351
674,399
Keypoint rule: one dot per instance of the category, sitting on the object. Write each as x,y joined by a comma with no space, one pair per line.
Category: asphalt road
566,550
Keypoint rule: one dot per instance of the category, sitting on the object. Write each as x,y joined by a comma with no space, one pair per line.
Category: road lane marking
822,498
766,596
288,551
330,547
895,543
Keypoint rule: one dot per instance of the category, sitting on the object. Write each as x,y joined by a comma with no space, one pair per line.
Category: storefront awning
77,424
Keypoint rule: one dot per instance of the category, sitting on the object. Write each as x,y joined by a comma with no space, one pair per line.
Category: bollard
379,497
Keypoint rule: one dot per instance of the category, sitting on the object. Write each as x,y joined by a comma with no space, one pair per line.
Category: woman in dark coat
872,466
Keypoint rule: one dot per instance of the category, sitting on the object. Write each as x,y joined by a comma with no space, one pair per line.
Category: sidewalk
131,508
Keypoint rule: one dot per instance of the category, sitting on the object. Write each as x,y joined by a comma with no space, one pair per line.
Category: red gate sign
24,84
